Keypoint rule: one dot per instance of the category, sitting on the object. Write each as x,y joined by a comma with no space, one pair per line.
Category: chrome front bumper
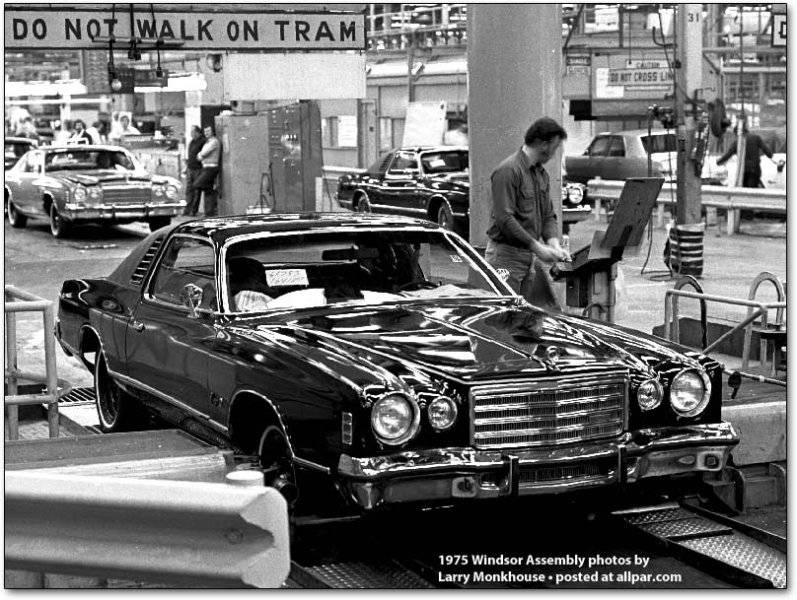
446,473
122,211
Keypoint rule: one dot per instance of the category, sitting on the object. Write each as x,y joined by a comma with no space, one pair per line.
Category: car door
400,185
615,164
27,175
167,341
596,157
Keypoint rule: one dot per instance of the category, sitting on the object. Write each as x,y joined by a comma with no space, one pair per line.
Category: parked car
624,154
384,359
425,182
15,147
88,183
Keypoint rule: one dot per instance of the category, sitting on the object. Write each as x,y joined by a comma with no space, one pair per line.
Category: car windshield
14,150
445,161
664,142
88,159
366,267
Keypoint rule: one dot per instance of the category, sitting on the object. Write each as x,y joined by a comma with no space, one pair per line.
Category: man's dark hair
544,130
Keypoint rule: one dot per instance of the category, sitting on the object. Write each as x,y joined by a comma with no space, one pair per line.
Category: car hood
96,176
465,340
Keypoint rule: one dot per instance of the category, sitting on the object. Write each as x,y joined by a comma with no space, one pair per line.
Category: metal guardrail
755,310
731,199
181,533
17,300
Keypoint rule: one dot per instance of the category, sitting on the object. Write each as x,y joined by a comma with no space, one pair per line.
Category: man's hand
563,255
549,254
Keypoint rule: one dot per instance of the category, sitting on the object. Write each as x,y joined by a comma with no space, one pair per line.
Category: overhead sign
33,28
779,30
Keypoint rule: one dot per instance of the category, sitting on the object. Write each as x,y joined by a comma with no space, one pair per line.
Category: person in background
125,128
80,133
95,132
209,156
193,167
754,147
61,133
523,230
28,129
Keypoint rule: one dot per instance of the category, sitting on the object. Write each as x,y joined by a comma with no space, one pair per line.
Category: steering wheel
417,285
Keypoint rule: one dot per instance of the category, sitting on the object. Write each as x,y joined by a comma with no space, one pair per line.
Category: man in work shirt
209,156
523,232
754,147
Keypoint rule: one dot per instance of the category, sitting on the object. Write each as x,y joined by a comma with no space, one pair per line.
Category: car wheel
445,217
115,408
277,464
363,204
15,218
59,226
157,222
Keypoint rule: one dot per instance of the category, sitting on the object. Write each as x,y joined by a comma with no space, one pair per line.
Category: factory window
329,132
391,133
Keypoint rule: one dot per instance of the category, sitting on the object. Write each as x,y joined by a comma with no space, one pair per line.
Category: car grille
548,411
126,194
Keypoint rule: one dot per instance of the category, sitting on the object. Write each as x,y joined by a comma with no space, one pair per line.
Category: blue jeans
526,274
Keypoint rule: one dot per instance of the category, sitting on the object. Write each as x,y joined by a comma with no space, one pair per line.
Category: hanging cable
158,41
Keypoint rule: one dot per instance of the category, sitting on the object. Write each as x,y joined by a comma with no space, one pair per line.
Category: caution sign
633,83
89,29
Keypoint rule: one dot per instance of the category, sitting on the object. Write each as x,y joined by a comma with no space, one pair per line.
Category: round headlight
171,192
157,190
95,193
649,394
80,193
689,392
575,194
442,413
394,419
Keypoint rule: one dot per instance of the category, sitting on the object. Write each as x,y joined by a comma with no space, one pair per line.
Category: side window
617,146
186,273
405,163
599,146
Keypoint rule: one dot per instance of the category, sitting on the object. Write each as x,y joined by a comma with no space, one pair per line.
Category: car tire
116,409
15,218
363,205
157,222
277,463
59,226
445,216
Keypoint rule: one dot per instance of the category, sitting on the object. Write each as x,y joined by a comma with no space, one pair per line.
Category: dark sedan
430,183
382,359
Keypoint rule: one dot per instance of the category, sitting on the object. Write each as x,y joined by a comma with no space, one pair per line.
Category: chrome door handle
138,325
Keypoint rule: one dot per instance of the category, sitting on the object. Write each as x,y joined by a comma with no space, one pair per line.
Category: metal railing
16,301
731,199
755,311
180,533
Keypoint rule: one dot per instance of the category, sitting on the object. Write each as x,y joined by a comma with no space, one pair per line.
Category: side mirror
191,296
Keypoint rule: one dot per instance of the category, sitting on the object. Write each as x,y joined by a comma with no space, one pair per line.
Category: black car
429,183
383,359
426,182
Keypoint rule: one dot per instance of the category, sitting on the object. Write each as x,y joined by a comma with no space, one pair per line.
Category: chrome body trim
166,398
645,454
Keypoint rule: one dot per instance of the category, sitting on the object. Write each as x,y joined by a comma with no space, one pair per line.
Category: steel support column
514,78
